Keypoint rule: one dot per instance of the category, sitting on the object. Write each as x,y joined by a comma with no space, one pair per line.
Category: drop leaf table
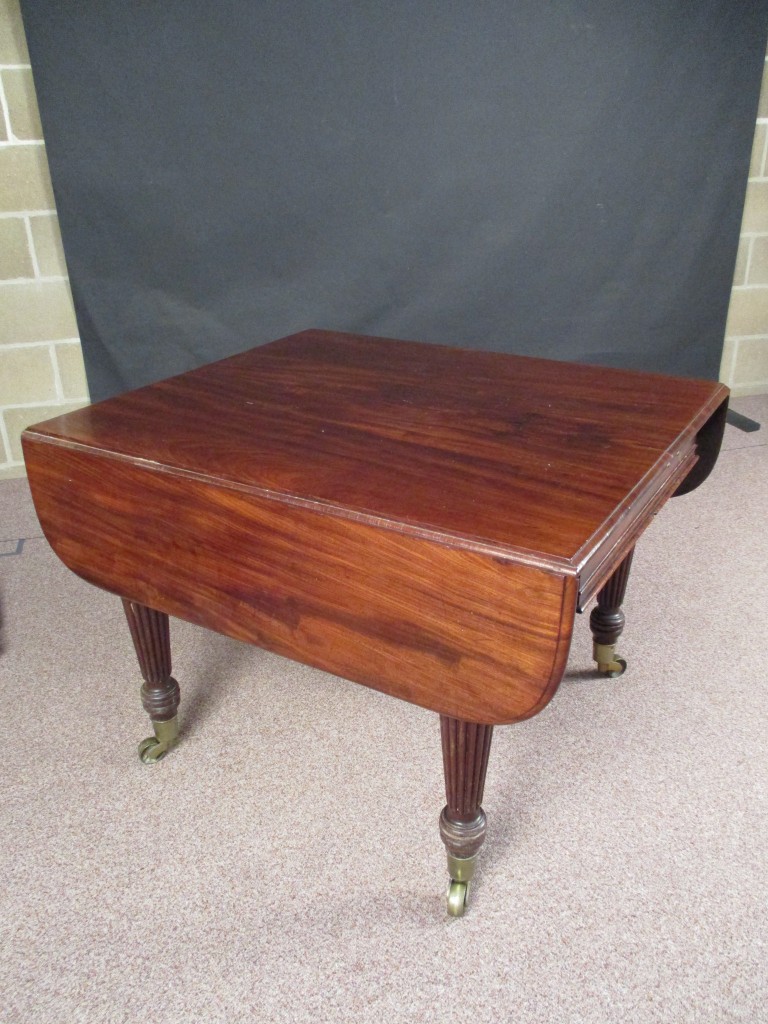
420,519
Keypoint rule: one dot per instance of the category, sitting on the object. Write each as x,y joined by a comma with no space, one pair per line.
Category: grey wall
555,179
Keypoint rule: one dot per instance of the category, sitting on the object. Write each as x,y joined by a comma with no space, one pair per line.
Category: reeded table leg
160,692
466,746
607,620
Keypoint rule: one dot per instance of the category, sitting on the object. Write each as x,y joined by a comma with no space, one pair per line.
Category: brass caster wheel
614,668
151,750
608,662
458,897
155,747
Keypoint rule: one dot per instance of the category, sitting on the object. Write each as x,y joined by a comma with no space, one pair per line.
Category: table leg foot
608,662
458,898
160,694
461,869
166,737
466,747
607,621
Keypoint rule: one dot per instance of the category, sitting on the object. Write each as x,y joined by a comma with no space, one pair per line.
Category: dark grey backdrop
556,179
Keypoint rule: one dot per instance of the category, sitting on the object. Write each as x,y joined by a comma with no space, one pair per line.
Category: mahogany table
419,519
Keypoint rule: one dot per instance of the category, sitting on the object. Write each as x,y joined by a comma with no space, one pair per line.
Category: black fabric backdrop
562,179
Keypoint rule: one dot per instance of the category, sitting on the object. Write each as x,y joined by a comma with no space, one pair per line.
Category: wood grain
466,748
417,518
151,637
467,634
607,619
530,455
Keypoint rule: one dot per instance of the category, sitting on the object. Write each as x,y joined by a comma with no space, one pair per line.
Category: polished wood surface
466,748
151,635
606,620
517,453
420,519
463,633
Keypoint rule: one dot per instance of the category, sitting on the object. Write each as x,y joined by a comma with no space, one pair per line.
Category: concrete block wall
745,353
41,362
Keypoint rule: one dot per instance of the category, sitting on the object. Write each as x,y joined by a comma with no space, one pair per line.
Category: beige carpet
284,863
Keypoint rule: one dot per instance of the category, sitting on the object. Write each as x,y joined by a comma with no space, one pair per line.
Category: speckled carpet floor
284,863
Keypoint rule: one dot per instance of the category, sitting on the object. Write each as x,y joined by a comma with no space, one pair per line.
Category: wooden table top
521,454
419,519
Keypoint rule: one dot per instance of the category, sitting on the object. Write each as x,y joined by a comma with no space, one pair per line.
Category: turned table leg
160,692
607,620
462,822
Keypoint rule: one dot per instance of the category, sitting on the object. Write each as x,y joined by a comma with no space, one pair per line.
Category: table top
419,519
506,452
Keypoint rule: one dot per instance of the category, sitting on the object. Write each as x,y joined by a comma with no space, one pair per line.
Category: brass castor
616,668
462,871
153,748
458,897
608,662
